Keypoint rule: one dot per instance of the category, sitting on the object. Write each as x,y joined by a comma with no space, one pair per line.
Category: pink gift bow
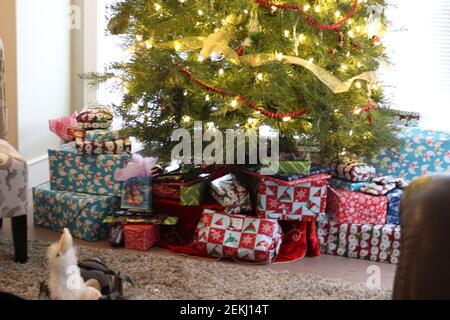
60,126
137,167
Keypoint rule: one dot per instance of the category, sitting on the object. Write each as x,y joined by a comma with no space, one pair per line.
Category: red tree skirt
300,238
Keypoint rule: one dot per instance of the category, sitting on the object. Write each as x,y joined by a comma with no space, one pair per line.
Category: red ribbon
243,99
308,18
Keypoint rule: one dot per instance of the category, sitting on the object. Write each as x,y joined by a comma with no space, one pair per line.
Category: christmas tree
303,67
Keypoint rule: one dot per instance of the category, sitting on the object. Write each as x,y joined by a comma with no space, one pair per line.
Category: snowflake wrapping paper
84,173
421,152
82,214
379,243
356,207
301,200
141,237
241,237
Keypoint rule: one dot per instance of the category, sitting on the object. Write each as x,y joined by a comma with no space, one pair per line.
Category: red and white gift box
299,200
379,243
141,237
356,207
240,237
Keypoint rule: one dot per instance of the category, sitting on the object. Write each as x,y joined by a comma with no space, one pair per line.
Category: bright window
419,79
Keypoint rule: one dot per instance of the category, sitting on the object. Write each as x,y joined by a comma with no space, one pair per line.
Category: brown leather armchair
424,267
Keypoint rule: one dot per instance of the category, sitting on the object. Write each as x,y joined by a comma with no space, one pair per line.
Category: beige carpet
168,277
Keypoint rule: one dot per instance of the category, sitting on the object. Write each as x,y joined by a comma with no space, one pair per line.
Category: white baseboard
38,171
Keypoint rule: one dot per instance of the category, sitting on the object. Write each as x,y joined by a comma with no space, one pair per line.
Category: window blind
419,49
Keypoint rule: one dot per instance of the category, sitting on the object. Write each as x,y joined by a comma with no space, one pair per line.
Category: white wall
44,72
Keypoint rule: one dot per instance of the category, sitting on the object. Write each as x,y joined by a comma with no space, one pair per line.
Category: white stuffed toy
65,281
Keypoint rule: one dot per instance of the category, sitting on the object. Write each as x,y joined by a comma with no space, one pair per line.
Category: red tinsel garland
308,18
243,99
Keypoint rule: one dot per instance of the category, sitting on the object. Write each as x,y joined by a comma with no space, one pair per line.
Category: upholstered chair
13,179
424,267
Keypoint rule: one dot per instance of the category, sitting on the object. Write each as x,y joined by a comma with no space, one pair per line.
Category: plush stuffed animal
65,281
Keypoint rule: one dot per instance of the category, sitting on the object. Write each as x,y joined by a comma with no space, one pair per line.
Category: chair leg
20,238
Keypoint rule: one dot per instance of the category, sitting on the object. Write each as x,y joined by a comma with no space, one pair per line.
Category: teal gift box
81,213
92,174
420,152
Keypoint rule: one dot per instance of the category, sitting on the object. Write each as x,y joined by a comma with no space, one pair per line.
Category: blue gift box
94,174
421,152
81,213
393,215
137,194
347,185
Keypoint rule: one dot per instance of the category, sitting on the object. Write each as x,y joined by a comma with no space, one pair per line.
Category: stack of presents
351,209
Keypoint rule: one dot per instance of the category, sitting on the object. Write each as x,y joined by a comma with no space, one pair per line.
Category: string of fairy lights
355,29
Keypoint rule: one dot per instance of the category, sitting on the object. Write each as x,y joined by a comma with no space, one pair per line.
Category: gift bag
137,194
240,237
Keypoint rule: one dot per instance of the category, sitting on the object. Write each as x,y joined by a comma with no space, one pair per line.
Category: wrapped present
239,237
294,167
137,194
406,118
379,243
356,207
99,135
81,213
420,152
141,237
304,199
347,185
231,194
315,169
354,171
110,147
85,174
192,195
393,214
95,116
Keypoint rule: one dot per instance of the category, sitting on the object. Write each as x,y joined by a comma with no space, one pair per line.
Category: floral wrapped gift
240,237
420,152
304,199
380,243
141,237
354,171
356,207
229,192
81,213
347,185
406,118
99,135
85,174
110,147
95,116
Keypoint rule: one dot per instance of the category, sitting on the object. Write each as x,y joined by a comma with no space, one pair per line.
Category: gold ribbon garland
217,43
